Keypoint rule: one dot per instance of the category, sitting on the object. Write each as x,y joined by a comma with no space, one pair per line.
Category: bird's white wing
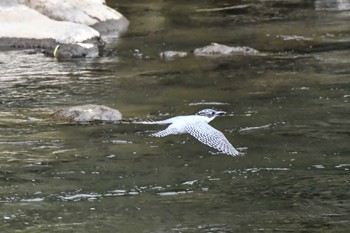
211,137
165,132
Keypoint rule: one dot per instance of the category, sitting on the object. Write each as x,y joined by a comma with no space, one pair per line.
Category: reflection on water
288,111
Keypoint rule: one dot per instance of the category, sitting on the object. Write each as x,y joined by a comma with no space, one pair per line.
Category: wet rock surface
73,50
215,49
88,112
212,50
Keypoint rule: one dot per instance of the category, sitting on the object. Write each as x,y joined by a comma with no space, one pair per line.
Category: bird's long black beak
220,113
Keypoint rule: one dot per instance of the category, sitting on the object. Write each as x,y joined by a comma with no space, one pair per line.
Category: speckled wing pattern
212,137
163,133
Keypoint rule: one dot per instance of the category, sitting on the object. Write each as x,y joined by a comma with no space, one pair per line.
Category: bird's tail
164,122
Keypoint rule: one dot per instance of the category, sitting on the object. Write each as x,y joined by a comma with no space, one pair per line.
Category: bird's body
197,126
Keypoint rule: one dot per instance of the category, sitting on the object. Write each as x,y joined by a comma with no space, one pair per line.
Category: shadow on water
288,112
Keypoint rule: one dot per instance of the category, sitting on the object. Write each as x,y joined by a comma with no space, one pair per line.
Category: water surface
288,113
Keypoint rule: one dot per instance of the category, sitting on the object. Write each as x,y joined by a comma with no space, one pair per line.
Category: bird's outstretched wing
165,132
212,137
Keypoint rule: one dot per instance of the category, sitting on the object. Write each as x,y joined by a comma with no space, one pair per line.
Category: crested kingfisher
197,126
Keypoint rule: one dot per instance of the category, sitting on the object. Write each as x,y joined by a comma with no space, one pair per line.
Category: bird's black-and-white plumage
197,126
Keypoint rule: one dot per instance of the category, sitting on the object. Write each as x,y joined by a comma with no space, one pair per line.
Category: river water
287,112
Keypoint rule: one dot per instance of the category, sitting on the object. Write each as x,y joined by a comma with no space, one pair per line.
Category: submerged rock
217,50
172,54
88,112
212,50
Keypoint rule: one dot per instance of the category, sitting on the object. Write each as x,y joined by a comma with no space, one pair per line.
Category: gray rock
91,13
172,54
73,50
19,21
71,24
340,5
88,112
219,50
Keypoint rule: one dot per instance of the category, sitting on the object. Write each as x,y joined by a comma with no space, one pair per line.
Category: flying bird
197,126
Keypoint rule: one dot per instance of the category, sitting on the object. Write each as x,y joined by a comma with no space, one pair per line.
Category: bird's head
210,113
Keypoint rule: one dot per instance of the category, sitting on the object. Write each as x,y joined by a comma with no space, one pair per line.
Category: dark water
288,112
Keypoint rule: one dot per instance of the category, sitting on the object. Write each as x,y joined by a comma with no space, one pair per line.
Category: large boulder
88,112
93,13
54,24
19,21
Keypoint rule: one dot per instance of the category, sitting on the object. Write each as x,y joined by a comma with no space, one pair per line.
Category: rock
212,50
172,54
93,13
73,50
25,27
340,5
219,50
88,112
19,21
